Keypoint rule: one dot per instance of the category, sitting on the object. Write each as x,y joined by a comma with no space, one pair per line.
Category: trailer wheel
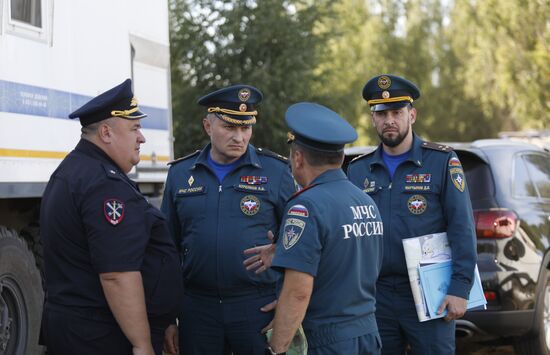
21,297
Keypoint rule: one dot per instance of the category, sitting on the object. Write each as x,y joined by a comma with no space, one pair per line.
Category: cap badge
133,102
366,182
244,95
250,205
242,107
384,82
191,180
417,204
114,211
385,94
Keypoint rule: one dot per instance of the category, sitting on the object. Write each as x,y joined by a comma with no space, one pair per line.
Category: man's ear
413,115
105,133
207,125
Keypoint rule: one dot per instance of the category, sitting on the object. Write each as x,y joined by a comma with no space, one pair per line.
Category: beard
393,142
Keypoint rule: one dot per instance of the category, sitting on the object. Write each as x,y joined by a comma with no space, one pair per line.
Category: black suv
509,185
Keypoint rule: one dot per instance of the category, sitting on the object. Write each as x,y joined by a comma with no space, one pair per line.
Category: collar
250,158
329,176
415,157
90,149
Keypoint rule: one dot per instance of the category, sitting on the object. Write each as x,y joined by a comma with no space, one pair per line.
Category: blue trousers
368,344
398,326
208,326
87,333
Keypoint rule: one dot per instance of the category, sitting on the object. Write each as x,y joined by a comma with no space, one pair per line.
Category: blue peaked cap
318,127
389,92
234,104
116,102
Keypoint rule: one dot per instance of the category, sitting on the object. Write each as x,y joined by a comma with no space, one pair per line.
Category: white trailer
54,56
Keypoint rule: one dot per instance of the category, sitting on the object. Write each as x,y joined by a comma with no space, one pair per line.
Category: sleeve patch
113,211
292,232
454,162
298,210
457,176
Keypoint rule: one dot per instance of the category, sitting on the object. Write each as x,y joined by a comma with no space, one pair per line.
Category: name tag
191,190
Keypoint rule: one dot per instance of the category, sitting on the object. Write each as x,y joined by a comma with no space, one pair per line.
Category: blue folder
435,279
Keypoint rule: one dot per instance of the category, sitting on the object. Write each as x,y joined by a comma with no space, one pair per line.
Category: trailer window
27,11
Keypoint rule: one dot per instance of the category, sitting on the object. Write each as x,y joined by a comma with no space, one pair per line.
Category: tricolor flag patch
298,210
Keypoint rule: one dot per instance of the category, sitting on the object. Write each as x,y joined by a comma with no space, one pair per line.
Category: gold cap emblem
384,82
244,95
191,180
133,102
385,94
242,107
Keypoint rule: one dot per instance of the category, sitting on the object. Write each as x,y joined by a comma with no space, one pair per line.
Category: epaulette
437,146
362,156
269,153
184,158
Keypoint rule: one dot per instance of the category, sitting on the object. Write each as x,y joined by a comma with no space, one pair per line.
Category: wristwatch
269,351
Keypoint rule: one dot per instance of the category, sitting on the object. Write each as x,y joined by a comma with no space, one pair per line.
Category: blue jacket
213,223
428,194
333,231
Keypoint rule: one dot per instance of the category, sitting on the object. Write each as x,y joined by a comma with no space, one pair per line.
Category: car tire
21,297
538,342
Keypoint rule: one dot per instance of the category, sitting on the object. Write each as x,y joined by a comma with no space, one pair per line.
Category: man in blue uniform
419,188
220,201
111,268
329,246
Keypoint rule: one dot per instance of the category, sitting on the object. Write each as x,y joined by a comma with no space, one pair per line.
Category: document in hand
426,249
435,280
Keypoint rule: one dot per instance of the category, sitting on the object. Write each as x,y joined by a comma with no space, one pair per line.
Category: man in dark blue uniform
419,188
329,246
111,268
220,201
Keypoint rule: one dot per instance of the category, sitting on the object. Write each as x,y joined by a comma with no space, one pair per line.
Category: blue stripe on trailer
44,102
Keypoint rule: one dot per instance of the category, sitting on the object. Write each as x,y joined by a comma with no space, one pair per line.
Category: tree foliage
268,44
482,66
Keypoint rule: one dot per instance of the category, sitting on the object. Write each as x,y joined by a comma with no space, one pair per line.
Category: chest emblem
250,205
298,210
457,176
292,232
114,211
254,180
417,204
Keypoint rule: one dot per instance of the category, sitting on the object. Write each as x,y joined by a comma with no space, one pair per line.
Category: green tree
503,50
269,44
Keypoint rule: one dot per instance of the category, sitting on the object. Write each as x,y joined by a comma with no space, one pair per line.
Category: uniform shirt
428,194
333,231
213,222
94,220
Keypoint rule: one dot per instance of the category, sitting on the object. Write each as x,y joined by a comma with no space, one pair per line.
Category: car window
478,177
523,186
538,166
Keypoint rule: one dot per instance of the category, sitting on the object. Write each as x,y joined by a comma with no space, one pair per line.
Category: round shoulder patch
113,210
250,205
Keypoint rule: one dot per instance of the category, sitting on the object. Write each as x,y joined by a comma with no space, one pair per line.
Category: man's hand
143,350
171,340
456,307
262,256
268,308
